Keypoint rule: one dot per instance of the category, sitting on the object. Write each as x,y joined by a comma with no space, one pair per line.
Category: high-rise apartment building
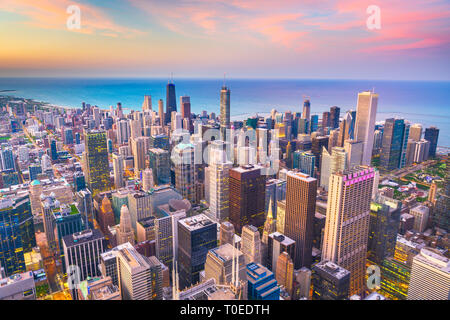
301,194
347,222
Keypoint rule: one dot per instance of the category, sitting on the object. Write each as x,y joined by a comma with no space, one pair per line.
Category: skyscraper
118,169
247,197
251,244
185,105
97,164
125,232
285,272
415,132
16,232
301,193
67,221
219,185
147,104
330,281
432,135
138,148
171,102
185,173
224,110
161,112
226,233
305,161
392,144
384,225
219,262
196,236
441,212
83,250
306,109
366,111
430,276
140,278
334,117
347,222
277,244
160,165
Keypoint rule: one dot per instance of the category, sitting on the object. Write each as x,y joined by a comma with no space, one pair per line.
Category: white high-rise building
251,244
415,132
135,275
335,162
218,174
430,276
354,151
118,170
123,131
366,111
347,222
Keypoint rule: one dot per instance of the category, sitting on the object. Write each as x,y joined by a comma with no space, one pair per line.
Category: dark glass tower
383,228
432,135
392,143
171,102
196,236
334,117
16,232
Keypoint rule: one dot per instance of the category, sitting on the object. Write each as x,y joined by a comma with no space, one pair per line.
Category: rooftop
196,222
333,269
284,240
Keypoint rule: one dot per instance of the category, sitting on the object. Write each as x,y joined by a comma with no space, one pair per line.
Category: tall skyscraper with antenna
224,109
171,101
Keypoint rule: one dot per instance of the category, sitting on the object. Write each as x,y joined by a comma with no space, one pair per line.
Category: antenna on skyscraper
224,74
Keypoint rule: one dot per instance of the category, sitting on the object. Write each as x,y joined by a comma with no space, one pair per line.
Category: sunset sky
244,38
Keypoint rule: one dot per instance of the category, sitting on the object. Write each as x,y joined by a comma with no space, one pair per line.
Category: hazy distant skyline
244,38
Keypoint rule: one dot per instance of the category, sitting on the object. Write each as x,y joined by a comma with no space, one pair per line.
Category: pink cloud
49,14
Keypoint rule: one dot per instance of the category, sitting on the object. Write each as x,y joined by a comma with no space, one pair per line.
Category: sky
242,38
